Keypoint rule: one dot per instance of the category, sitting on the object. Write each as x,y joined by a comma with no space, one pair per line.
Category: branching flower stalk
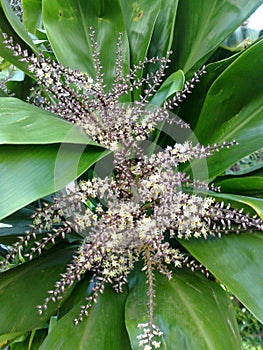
144,203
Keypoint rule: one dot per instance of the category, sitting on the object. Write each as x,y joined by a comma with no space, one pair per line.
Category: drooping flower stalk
144,203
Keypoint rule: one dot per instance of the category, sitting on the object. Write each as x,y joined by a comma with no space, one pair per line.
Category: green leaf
236,261
138,15
22,123
76,297
191,109
67,24
20,89
7,337
29,172
233,110
32,341
248,202
175,82
163,31
5,27
103,329
201,26
16,24
16,225
243,185
18,299
3,93
32,14
192,312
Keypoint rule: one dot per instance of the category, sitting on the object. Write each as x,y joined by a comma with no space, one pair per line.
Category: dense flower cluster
135,213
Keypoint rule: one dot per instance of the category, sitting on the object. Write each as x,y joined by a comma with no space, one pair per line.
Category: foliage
251,329
41,154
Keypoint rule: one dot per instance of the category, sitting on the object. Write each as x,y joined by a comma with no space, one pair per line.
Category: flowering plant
141,212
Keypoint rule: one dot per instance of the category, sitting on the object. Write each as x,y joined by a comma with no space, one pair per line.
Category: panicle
135,214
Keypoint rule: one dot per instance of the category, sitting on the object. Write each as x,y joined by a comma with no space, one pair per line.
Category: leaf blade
103,327
17,297
182,312
211,22
235,260
29,172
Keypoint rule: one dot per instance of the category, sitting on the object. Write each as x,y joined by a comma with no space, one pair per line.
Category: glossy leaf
32,14
138,16
16,24
29,172
190,110
236,261
244,185
5,27
163,31
173,83
18,299
22,123
233,110
68,28
103,329
201,26
187,308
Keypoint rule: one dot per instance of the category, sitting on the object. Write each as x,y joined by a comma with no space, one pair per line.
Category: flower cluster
135,213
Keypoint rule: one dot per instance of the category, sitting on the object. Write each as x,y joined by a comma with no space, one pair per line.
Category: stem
150,292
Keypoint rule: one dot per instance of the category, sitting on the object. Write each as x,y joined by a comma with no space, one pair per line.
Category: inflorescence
145,203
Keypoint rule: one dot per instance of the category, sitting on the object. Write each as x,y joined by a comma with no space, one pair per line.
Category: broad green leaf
201,26
243,185
175,82
236,261
103,329
68,28
5,27
16,24
22,123
29,172
18,299
192,312
163,31
191,109
138,15
233,109
32,14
